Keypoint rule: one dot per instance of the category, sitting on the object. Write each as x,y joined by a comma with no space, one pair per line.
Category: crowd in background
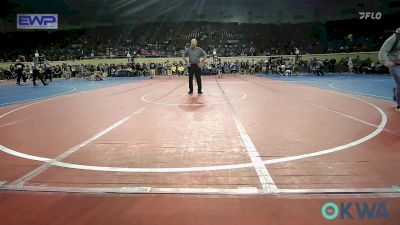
169,39
213,66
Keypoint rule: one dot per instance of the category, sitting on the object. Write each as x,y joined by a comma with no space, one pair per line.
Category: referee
195,54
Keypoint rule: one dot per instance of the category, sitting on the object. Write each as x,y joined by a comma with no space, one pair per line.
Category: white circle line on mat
366,138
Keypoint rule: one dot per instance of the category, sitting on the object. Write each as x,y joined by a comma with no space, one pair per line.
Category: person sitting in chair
96,76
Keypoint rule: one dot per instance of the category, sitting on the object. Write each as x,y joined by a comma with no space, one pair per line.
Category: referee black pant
194,70
47,74
35,74
19,76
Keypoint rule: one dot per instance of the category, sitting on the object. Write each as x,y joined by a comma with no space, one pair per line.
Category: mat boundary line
220,191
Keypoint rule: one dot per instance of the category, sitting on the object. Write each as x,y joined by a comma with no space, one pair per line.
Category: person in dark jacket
36,67
19,69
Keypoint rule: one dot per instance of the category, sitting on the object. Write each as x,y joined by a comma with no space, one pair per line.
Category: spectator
389,55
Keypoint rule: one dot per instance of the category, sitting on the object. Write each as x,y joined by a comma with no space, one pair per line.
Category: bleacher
168,39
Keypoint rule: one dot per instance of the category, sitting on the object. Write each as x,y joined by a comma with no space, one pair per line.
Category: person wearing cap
197,57
389,55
